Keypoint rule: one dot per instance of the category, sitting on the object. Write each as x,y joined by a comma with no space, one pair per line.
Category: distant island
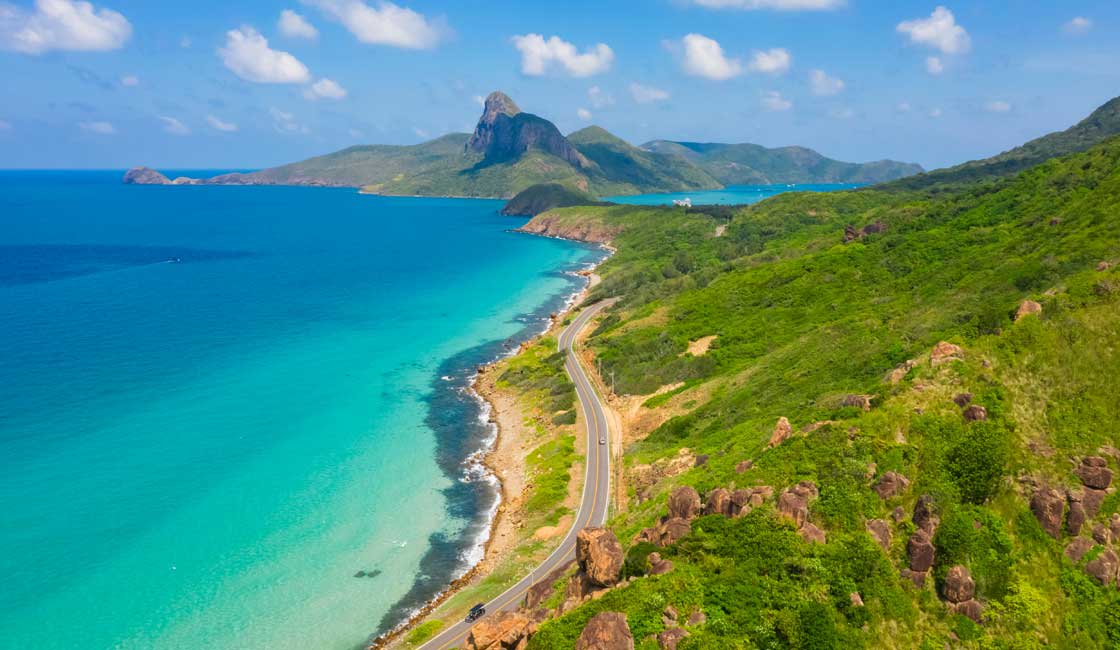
511,150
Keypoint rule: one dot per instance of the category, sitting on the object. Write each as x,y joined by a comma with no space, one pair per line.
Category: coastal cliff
578,223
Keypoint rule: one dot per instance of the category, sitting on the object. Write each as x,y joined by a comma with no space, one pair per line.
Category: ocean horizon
224,404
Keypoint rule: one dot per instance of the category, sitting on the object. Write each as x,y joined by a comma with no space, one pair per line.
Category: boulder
975,413
863,402
660,567
1091,500
669,616
856,599
945,352
1114,525
541,590
1077,549
697,618
701,460
1075,518
812,534
959,585
599,555
499,631
970,608
1048,505
719,502
782,431
674,530
742,466
924,514
891,484
1102,534
606,631
898,514
741,502
896,376
1026,308
962,399
918,578
920,551
669,639
1094,473
1104,265
880,530
793,503
684,503
1103,568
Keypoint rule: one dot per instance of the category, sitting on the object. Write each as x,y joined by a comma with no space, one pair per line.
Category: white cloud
538,56
325,89
130,80
479,99
599,98
62,25
286,122
584,114
1078,25
647,94
294,25
173,126
773,101
940,31
778,5
773,61
100,128
248,55
934,66
903,107
388,24
420,133
935,113
185,42
703,57
824,85
220,125
998,106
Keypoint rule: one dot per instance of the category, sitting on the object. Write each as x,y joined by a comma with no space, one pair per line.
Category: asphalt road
596,489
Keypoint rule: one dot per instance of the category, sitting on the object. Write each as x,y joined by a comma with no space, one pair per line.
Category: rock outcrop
504,132
497,103
793,503
1094,473
719,503
891,484
863,402
1048,506
782,431
643,477
959,585
945,352
925,514
880,531
920,551
684,503
1026,308
671,638
145,176
1104,567
975,413
606,631
599,556
658,565
499,631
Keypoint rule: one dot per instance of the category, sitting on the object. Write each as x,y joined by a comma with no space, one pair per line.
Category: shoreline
491,457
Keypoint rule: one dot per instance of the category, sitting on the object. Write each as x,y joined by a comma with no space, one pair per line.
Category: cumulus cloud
773,61
62,25
100,128
420,133
998,106
294,25
599,98
934,65
1077,25
174,126
286,122
704,57
388,24
325,89
824,85
130,80
773,101
647,94
777,5
539,56
220,125
248,55
583,114
940,31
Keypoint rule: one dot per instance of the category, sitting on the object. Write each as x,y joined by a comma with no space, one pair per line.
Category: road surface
596,488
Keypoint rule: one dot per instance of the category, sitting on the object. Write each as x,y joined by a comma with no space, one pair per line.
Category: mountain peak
497,104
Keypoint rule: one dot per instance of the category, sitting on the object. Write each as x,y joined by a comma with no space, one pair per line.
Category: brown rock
684,502
658,565
674,530
1114,525
1091,500
920,551
782,431
606,631
1102,534
719,502
1077,549
1104,266
891,484
669,616
1075,518
959,585
916,577
970,608
812,534
924,515
1047,505
701,459
881,531
1094,473
896,376
697,618
599,555
963,399
945,352
669,639
760,494
863,402
540,591
1028,307
500,631
898,514
743,466
793,503
857,600
1104,567
975,413
740,502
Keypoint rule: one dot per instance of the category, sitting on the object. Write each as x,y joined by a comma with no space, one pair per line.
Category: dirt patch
700,346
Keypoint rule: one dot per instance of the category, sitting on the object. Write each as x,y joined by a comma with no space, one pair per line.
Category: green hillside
838,334
752,164
546,196
631,168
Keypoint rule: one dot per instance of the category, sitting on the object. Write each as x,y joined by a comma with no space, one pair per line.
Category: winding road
596,488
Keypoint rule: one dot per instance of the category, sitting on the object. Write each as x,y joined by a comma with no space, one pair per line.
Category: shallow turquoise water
731,195
201,453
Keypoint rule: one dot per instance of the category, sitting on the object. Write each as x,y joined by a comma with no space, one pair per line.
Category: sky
254,83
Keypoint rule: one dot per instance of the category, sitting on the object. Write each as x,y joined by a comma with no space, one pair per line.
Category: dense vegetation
546,196
803,317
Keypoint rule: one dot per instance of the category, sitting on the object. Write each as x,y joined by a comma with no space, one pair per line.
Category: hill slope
631,168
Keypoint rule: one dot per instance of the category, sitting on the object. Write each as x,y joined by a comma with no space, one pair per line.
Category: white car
602,441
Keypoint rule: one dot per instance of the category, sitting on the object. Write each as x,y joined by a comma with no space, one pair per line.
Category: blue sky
246,84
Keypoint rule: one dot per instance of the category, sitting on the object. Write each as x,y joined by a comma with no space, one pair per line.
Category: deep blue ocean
731,195
218,404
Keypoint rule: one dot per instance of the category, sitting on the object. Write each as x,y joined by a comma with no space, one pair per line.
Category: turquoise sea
731,195
219,404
